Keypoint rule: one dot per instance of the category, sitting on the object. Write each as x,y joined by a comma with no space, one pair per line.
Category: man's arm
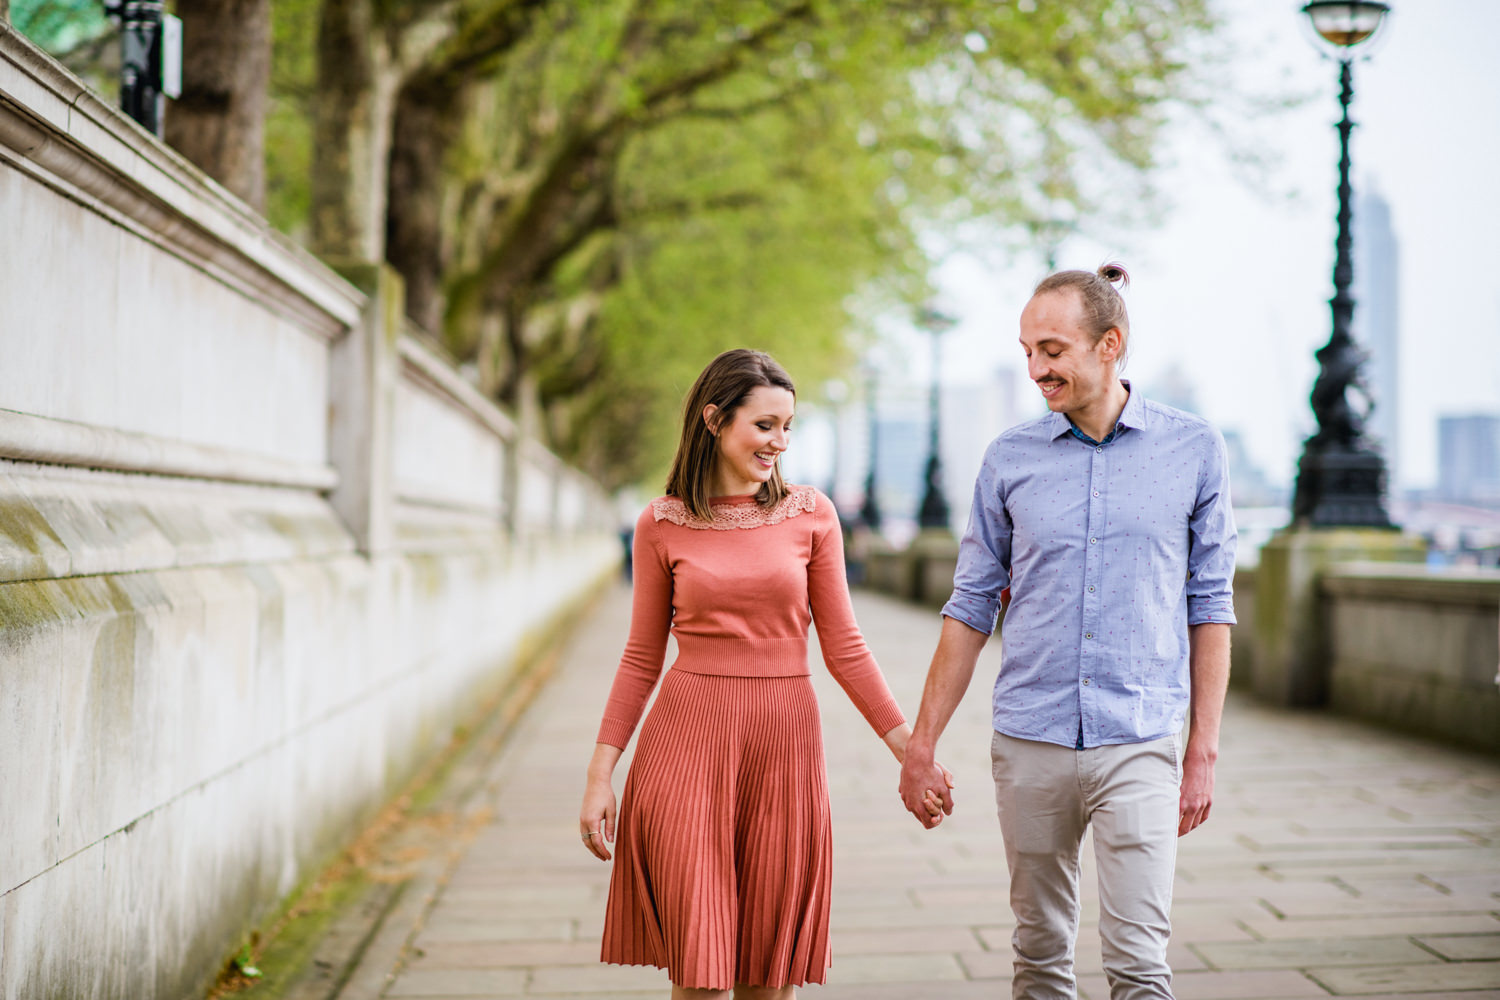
947,679
1208,665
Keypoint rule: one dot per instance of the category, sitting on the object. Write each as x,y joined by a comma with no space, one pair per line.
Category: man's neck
1100,417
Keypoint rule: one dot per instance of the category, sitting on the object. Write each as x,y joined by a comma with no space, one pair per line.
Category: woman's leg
691,993
743,992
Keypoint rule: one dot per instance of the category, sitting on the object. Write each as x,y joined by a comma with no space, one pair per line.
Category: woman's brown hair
725,383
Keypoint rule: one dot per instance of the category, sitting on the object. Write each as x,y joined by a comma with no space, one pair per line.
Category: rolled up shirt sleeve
1211,543
983,569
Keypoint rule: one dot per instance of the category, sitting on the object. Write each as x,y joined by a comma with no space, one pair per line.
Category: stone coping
26,437
425,367
1413,582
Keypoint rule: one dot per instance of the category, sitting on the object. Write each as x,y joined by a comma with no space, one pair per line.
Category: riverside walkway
1339,860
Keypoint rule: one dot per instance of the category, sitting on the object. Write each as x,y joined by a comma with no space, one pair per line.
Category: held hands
926,788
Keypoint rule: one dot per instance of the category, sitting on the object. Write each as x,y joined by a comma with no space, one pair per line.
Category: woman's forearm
896,740
602,764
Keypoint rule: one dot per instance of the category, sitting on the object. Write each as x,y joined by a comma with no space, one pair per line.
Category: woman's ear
710,415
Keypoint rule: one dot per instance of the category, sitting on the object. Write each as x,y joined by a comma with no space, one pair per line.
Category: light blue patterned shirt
1111,551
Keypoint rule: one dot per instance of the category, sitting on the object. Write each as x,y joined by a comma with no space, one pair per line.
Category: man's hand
1208,666
1197,791
925,783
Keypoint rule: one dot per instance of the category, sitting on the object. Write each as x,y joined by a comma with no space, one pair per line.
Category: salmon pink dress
723,860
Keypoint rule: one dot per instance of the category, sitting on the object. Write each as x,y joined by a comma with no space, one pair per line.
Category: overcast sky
1232,287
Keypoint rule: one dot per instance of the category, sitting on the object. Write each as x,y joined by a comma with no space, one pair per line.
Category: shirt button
1088,635
1093,541
1085,682
1091,590
1096,493
1098,449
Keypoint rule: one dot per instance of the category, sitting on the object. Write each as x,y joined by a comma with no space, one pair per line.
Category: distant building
1469,459
1173,388
1248,484
1377,324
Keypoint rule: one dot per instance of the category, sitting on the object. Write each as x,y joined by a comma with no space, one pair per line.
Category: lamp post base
1340,486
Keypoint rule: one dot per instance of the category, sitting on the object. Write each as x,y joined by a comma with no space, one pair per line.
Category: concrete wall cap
1411,582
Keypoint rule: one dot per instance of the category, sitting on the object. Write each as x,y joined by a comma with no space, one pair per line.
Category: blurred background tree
587,201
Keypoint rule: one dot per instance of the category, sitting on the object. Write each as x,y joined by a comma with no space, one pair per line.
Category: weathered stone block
1291,645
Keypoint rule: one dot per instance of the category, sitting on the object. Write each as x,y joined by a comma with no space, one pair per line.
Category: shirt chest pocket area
1152,533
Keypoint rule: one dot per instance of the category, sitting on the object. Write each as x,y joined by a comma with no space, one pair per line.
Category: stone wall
261,551
1416,649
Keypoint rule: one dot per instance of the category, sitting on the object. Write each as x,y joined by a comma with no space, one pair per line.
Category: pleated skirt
723,864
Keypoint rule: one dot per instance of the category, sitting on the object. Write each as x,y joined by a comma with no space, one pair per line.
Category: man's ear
710,419
1111,344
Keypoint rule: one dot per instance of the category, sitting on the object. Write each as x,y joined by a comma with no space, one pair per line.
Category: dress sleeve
646,647
844,650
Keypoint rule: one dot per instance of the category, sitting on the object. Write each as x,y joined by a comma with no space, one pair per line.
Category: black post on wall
1341,477
143,50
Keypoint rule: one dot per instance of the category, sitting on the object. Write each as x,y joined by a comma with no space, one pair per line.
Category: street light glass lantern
1346,23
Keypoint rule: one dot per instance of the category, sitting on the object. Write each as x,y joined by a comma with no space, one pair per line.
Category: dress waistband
728,656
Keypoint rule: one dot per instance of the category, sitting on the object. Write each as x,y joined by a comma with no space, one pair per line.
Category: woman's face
751,441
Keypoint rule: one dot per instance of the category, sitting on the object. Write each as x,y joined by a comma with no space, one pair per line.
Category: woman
724,867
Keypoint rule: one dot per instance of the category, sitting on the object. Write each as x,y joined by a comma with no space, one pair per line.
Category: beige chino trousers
1047,797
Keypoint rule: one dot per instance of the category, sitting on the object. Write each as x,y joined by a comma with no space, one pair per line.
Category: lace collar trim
729,516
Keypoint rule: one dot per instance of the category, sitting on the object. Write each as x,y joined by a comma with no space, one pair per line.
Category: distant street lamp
1341,476
869,510
934,509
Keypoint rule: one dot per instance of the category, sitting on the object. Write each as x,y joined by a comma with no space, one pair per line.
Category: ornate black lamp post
869,510
934,510
1341,476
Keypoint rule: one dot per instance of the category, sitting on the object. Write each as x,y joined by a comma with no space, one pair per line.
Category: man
1109,519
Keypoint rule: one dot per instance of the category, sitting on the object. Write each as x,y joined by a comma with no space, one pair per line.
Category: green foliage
638,184
77,34
767,161
59,26
294,31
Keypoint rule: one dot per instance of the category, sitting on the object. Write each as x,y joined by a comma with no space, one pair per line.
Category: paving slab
1409,979
1306,953
1458,947
1339,860
1284,984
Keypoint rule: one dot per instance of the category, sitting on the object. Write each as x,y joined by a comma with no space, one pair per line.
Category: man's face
1061,358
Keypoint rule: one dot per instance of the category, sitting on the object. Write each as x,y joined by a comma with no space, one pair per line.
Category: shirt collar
1134,415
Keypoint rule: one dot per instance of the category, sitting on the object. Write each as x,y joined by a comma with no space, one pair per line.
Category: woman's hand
596,819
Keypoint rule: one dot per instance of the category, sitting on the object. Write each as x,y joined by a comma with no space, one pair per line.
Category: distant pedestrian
723,875
1110,519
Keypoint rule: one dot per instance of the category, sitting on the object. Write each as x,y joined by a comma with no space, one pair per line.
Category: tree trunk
352,119
4,10
429,115
219,122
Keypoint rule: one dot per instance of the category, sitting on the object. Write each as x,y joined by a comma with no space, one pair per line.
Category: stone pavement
1339,860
